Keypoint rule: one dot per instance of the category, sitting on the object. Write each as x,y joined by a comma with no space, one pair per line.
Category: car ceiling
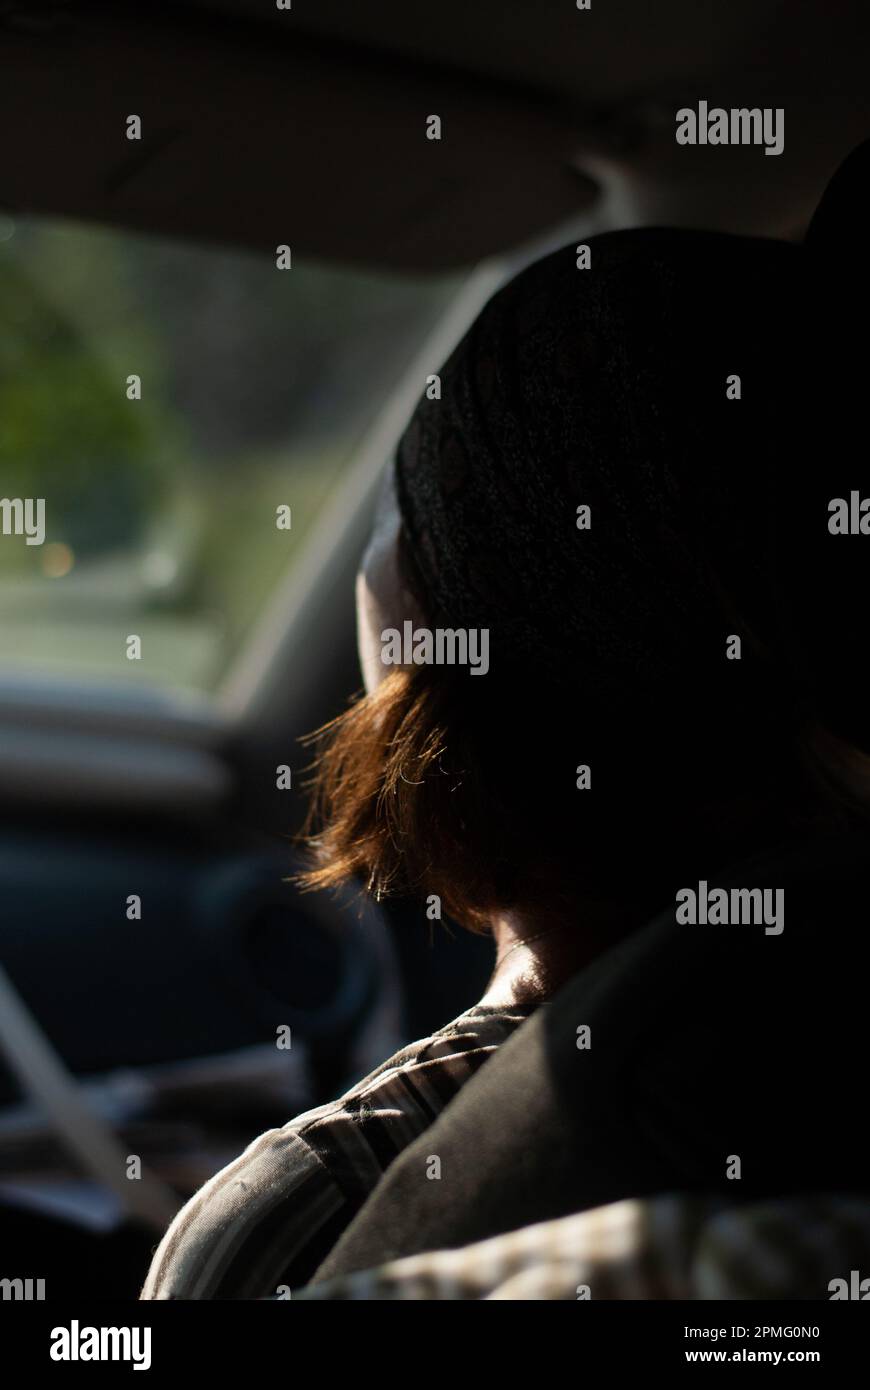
307,126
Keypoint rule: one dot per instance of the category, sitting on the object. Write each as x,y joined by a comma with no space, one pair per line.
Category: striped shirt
267,1220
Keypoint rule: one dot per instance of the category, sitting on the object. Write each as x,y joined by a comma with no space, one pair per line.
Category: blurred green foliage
68,433
255,385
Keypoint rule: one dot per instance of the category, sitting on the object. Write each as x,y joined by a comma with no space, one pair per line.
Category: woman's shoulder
442,1060
263,1220
480,1027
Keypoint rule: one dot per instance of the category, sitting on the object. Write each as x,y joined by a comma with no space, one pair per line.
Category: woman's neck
532,959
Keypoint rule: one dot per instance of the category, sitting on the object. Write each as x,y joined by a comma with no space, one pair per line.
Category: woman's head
624,481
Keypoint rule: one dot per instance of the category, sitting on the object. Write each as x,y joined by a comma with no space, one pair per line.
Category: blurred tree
68,432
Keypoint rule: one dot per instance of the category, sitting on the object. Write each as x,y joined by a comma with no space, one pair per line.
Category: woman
621,490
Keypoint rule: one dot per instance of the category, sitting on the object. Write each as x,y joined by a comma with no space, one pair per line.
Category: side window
165,402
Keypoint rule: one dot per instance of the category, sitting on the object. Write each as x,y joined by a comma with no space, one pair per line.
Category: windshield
177,415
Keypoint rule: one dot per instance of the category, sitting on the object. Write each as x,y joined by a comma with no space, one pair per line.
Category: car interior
153,941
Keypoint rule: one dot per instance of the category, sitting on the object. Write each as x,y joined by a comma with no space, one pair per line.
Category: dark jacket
708,1043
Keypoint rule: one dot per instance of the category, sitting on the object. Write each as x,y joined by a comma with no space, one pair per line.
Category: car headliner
307,126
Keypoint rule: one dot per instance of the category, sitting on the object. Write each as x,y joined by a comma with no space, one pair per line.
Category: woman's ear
382,598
